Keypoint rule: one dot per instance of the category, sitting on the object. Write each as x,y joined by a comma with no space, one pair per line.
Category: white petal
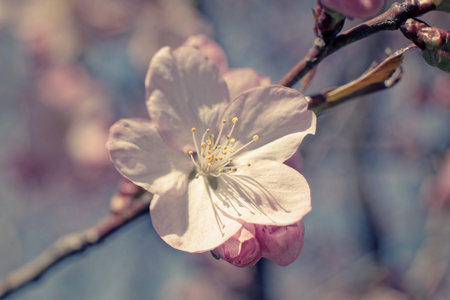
190,222
139,153
278,115
184,90
267,193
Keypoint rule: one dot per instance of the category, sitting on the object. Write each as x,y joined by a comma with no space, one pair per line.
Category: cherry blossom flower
211,163
355,8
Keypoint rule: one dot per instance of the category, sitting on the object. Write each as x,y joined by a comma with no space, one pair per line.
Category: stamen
204,135
195,140
255,138
249,164
220,133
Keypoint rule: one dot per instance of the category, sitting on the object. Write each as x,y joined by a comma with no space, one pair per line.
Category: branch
72,244
392,19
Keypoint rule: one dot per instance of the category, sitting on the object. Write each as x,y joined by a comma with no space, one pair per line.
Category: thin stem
72,244
392,19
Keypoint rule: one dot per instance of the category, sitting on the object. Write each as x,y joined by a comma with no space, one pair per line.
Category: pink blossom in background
355,8
210,48
209,176
238,80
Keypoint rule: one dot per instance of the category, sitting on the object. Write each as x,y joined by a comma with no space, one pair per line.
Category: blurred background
378,166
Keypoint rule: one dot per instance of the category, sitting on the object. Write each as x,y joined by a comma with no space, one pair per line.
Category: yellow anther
232,141
228,137
193,129
249,164
216,158
220,170
225,147
207,130
197,176
233,169
224,121
234,120
218,146
231,150
203,145
224,152
191,153
255,138
208,142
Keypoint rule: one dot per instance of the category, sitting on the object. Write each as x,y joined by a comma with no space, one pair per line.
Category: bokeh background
378,166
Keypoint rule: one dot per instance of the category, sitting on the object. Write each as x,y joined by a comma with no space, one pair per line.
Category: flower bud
434,42
242,249
328,22
355,8
281,244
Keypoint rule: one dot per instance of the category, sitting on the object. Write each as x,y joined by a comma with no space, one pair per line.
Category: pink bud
355,8
281,244
242,249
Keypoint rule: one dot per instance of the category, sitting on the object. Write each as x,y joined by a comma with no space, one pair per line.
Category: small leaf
378,74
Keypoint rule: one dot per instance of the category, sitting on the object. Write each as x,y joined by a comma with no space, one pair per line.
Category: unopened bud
434,42
328,22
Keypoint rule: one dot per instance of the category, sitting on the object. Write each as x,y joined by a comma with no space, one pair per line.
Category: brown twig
72,244
392,19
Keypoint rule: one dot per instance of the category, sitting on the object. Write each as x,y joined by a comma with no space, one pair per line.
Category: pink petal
287,257
278,115
242,249
281,244
184,90
267,193
241,80
139,154
210,48
189,222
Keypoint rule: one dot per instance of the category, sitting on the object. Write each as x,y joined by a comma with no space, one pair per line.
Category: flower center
212,159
